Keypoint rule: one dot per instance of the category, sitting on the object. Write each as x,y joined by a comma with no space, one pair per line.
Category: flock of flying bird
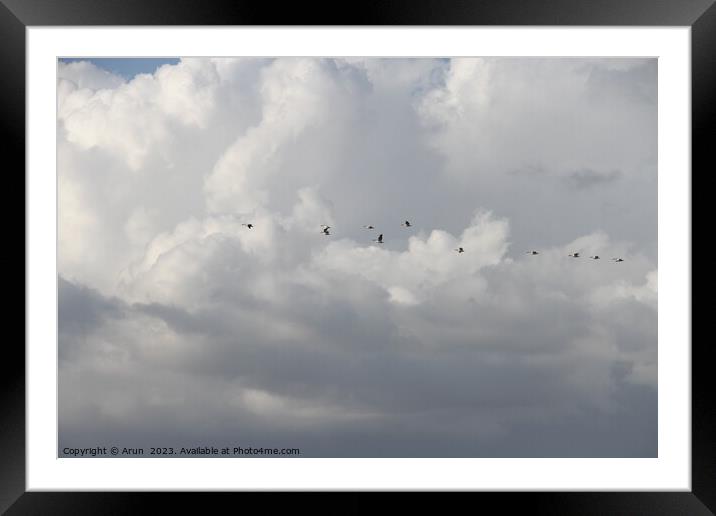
577,255
326,231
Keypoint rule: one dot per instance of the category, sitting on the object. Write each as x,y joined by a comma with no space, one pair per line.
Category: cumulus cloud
178,322
84,75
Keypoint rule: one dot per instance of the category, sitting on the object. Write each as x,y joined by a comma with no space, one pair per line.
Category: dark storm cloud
356,373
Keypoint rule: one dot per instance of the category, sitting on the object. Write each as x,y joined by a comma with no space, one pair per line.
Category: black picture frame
700,15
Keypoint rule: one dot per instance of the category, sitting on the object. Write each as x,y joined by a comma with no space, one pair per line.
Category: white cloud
296,95
85,75
428,262
488,108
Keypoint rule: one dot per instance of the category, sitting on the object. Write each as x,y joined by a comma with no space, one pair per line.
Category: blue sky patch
126,67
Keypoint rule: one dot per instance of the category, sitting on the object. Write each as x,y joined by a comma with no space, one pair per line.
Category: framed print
415,250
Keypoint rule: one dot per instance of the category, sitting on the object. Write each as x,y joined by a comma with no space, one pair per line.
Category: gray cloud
344,360
619,82
587,178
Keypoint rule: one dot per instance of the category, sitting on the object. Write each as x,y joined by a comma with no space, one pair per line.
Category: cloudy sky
178,326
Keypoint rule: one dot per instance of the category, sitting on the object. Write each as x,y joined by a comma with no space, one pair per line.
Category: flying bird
532,252
369,227
325,229
379,239
618,259
407,224
460,250
248,225
574,255
595,257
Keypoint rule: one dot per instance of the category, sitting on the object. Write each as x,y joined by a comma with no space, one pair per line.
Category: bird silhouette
248,225
379,239
407,224
460,250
